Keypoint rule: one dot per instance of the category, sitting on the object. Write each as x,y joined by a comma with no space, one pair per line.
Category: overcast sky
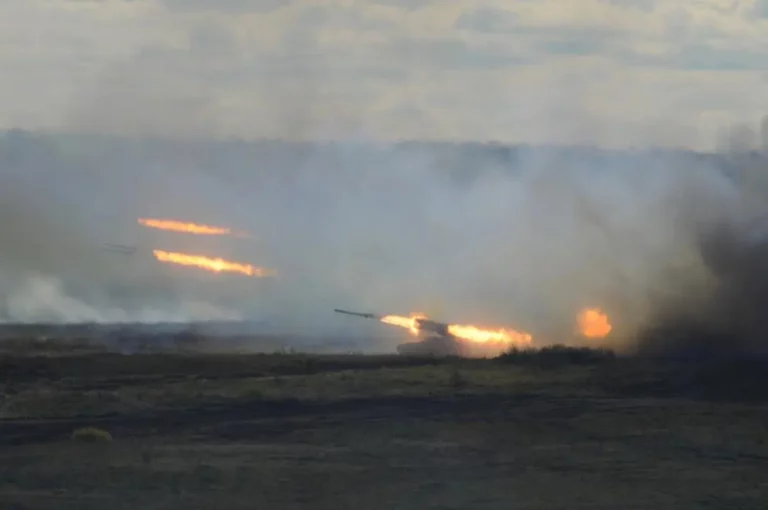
621,72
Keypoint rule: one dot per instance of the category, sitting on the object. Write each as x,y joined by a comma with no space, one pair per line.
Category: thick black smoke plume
728,316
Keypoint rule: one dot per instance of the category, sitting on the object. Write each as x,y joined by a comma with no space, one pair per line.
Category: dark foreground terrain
193,431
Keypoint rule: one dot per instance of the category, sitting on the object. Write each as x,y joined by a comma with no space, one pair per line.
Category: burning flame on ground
507,337
593,323
190,228
216,265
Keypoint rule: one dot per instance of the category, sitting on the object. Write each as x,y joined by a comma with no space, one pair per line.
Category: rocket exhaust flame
216,265
190,228
410,323
593,323
418,322
484,336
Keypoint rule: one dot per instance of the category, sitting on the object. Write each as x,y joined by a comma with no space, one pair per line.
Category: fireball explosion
593,323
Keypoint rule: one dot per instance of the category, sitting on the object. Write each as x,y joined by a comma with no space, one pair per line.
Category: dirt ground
282,431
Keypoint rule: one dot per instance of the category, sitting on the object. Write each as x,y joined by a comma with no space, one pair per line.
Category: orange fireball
593,323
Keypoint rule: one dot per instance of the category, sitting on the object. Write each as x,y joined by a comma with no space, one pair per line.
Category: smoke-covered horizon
520,238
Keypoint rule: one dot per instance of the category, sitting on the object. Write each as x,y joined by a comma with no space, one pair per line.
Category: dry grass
291,431
91,435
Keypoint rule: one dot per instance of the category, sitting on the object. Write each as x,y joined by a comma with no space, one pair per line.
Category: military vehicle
440,344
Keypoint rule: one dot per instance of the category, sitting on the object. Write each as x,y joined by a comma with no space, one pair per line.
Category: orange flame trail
190,228
593,323
215,265
484,336
474,334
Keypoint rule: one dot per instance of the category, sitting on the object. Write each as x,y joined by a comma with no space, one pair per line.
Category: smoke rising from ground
670,245
521,238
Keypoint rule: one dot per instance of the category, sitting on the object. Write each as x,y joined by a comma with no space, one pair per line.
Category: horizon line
496,143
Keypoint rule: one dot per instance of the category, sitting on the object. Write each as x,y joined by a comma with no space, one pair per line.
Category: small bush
254,393
456,380
91,435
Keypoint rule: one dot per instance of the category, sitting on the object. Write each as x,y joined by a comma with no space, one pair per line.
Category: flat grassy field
191,431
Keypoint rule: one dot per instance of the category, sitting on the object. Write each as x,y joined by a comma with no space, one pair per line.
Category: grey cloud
213,40
574,41
761,8
642,5
228,6
405,4
144,95
326,16
488,19
451,54
212,59
702,57
547,40
693,50
573,47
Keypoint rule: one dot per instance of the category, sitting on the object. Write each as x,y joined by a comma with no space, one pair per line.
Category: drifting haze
465,233
469,234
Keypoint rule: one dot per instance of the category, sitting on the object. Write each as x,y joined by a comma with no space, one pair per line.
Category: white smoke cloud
521,238
41,299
